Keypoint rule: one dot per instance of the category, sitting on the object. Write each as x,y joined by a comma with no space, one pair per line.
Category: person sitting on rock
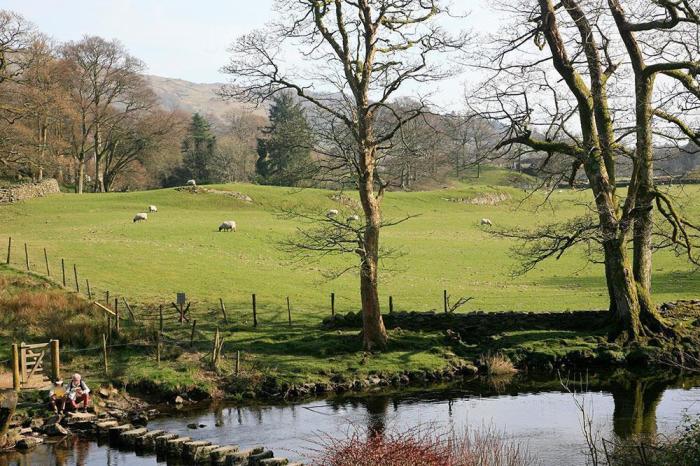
77,392
57,393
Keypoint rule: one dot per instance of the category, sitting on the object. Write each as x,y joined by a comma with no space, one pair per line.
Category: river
539,414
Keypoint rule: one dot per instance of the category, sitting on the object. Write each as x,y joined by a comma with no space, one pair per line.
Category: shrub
420,446
497,364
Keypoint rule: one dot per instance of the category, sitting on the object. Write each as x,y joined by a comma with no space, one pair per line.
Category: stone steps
165,444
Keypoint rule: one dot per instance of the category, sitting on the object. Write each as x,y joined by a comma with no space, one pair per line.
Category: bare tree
105,87
558,103
362,53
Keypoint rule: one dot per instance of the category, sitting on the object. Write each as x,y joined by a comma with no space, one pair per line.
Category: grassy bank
180,249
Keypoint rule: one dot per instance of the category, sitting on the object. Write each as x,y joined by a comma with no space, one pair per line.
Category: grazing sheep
229,225
191,183
332,213
152,208
143,216
486,221
353,218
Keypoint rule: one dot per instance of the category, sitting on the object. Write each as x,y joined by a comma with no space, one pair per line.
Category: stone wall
21,192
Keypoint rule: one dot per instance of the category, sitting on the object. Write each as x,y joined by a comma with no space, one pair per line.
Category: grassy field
180,249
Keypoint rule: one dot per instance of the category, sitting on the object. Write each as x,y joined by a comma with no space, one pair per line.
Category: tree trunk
99,176
81,177
8,403
373,331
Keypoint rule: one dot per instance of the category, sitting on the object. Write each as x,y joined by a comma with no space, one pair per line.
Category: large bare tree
359,54
559,88
105,87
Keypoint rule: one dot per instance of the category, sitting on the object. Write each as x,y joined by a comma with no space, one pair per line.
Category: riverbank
284,362
623,404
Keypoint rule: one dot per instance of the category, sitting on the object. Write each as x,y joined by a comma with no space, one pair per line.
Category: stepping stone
218,456
254,459
116,431
274,462
128,438
189,450
102,428
175,446
147,441
27,443
162,443
241,457
203,455
80,417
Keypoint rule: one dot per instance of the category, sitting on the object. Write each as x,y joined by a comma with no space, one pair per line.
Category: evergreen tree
198,149
284,153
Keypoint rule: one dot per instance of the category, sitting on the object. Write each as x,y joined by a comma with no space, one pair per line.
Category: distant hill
178,94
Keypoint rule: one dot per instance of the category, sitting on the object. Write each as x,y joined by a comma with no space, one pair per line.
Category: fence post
215,349
117,324
75,276
223,310
55,361
255,312
160,312
391,304
9,249
15,368
238,362
26,256
107,298
128,308
63,271
104,353
158,348
194,324
444,300
46,260
332,304
89,291
109,328
289,311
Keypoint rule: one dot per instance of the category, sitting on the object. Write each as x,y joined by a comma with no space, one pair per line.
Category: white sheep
228,225
152,208
332,213
191,183
142,216
353,218
486,221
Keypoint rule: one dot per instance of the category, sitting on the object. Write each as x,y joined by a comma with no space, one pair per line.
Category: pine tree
198,149
284,153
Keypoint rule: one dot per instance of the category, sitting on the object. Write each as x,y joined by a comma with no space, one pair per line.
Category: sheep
142,216
353,218
191,183
486,221
228,225
332,213
152,208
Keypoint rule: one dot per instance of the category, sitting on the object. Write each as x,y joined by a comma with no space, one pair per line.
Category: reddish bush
421,446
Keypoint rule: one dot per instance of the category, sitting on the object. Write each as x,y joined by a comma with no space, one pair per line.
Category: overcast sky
176,38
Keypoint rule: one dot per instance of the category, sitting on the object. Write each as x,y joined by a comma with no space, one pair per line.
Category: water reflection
536,412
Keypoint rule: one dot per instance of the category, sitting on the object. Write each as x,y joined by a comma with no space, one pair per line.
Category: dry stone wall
21,192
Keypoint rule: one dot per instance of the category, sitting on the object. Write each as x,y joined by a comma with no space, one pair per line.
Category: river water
538,414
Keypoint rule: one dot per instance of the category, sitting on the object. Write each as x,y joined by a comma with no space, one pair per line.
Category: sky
183,39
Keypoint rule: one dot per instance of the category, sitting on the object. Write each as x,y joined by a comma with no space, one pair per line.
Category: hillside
178,94
444,247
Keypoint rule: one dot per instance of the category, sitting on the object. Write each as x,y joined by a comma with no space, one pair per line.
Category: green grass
180,249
